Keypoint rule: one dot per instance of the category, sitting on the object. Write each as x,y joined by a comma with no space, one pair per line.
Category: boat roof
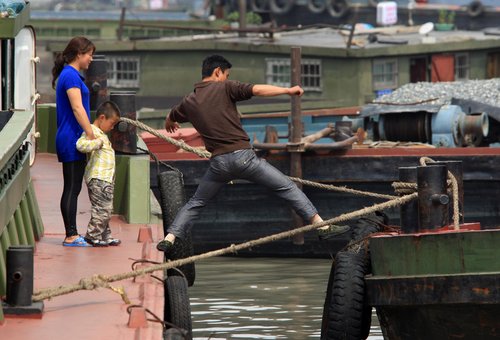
326,41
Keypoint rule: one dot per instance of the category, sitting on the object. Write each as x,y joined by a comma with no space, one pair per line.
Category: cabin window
461,66
123,71
385,74
278,73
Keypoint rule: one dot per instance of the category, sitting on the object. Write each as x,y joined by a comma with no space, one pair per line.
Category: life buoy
177,307
171,187
475,9
316,6
281,6
345,313
259,5
337,8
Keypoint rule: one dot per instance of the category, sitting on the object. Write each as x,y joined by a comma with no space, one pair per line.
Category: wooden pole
295,135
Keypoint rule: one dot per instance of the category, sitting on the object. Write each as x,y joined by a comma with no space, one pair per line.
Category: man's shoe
96,243
333,230
165,246
113,241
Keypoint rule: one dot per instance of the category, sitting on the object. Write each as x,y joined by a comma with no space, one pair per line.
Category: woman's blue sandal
77,242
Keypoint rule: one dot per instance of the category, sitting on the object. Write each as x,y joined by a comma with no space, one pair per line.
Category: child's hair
108,109
77,45
212,62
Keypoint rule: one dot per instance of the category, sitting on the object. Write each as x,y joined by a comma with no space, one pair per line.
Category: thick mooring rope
102,281
206,154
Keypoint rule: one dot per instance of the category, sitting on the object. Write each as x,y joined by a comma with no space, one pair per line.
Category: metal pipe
318,135
344,144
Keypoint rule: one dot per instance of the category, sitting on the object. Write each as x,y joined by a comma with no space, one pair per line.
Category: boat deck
99,314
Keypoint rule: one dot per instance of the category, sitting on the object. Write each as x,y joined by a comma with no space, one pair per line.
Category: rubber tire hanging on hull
316,6
369,224
172,195
280,6
338,8
259,6
475,9
177,306
345,314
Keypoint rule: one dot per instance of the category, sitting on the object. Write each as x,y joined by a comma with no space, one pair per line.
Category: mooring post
96,79
456,169
409,211
295,134
123,136
19,268
242,6
432,197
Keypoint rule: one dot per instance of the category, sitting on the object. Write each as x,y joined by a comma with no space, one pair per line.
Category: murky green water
260,298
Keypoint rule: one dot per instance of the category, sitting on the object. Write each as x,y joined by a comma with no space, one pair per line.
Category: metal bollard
19,263
124,139
96,79
409,211
456,169
432,197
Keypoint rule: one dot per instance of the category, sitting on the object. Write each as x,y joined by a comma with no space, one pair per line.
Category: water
261,298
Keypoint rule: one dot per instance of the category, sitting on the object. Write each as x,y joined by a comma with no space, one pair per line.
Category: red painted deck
98,314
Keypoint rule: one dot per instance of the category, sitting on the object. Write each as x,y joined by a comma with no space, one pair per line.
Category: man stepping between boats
211,109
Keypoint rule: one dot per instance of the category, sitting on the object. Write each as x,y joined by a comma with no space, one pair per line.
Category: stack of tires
346,316
336,8
177,309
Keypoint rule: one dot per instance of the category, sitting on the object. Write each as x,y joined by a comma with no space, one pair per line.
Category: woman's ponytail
57,69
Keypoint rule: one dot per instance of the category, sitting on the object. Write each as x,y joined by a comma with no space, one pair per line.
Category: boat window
278,73
461,66
123,71
384,74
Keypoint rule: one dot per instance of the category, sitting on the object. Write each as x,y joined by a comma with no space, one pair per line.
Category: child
100,174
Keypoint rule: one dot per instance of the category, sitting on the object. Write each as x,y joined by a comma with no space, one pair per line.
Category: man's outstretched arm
264,90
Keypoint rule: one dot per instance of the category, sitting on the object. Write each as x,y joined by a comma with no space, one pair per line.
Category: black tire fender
316,6
177,309
259,6
369,224
475,8
173,197
338,8
281,6
346,316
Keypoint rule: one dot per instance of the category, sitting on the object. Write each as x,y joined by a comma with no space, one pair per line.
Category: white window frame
390,78
462,67
129,78
278,73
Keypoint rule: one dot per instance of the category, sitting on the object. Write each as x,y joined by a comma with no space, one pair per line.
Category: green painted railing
20,219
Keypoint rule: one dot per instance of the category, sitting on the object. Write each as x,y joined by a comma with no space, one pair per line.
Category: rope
342,189
178,143
206,154
102,281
